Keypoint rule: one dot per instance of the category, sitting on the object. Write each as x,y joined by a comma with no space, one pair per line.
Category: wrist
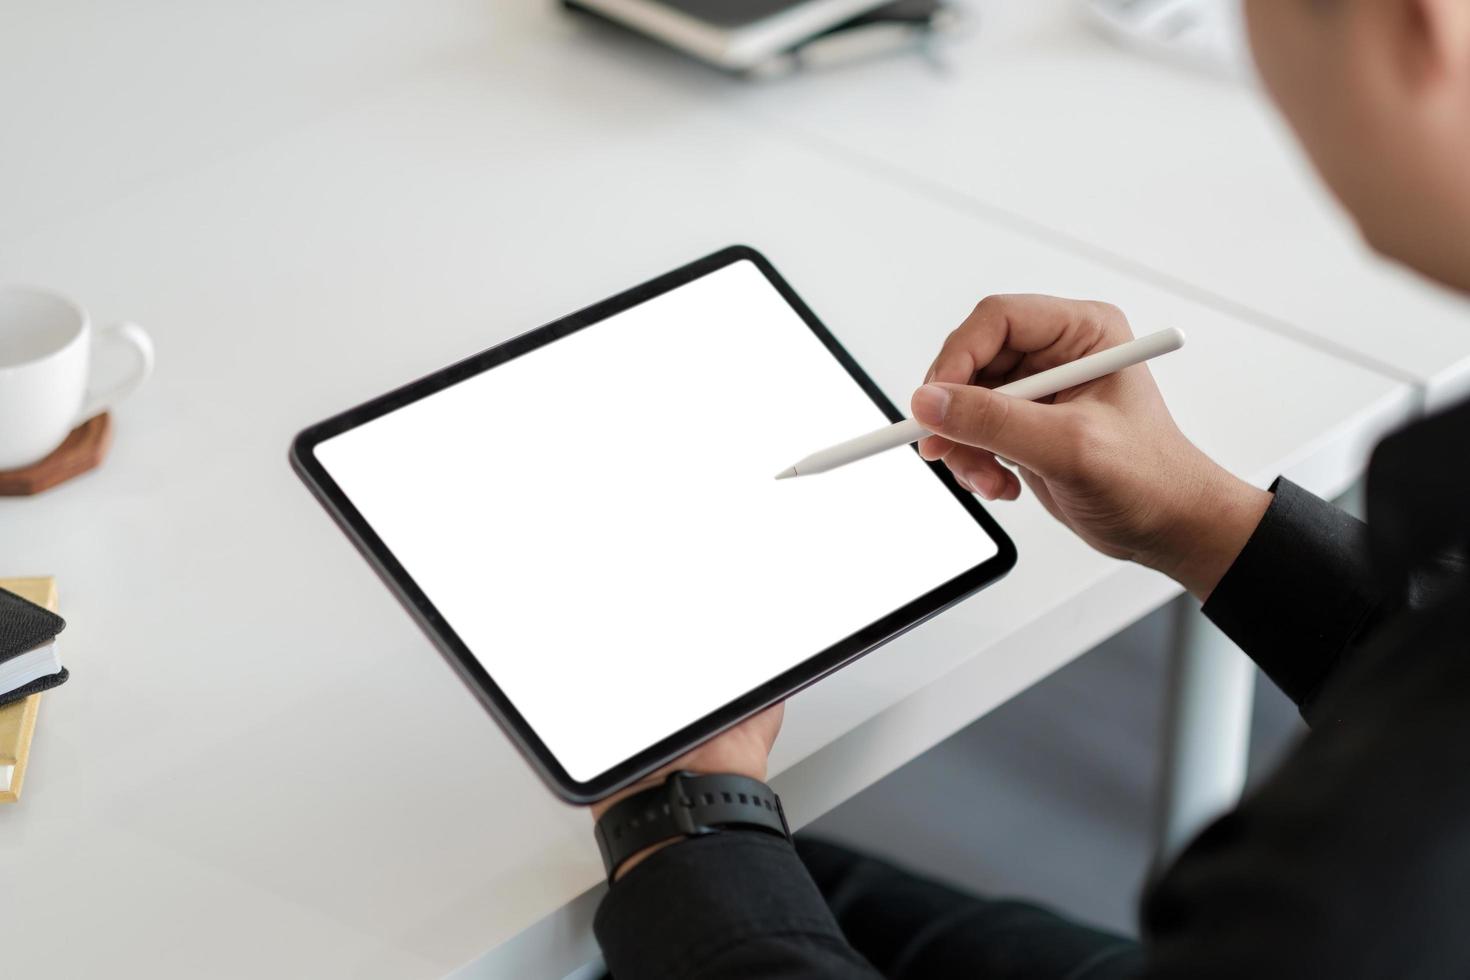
602,806
1209,532
672,806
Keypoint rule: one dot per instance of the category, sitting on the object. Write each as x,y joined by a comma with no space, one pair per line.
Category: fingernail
930,405
984,485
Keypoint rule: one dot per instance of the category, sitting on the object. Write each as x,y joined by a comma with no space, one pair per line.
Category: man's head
1379,92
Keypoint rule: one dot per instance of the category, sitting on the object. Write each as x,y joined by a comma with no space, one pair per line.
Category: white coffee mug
45,371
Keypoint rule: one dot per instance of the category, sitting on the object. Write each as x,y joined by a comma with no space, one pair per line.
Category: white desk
260,768
1187,179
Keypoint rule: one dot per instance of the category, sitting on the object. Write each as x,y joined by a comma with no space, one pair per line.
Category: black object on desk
28,663
772,37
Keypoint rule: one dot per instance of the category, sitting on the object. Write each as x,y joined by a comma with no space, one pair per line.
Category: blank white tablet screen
599,522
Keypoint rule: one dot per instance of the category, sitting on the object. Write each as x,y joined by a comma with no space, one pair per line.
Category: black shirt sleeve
733,904
1300,594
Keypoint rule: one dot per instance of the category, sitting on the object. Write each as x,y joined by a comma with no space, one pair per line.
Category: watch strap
686,805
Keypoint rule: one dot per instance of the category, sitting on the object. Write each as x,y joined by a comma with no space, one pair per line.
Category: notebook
734,34
28,628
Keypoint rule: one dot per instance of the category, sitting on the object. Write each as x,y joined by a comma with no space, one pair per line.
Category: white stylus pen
1060,378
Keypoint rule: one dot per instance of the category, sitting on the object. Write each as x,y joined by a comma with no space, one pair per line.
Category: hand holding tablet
614,607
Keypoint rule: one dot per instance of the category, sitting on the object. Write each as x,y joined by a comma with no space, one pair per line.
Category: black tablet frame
468,667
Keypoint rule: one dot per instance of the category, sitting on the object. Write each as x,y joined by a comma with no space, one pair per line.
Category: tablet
585,519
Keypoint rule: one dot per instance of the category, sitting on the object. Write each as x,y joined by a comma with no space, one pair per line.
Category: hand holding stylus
1034,386
1104,457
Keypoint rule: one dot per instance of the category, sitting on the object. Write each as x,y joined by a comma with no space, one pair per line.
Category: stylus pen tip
787,474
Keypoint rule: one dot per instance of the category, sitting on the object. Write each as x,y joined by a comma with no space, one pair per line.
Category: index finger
1017,335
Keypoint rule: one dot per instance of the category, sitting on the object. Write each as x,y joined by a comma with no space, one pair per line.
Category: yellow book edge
18,720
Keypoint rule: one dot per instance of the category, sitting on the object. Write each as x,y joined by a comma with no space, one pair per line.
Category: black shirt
1352,860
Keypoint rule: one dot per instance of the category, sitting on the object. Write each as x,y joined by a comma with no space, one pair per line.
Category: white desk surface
260,767
1180,175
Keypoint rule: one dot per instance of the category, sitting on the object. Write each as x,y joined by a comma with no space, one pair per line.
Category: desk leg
1354,499
1207,728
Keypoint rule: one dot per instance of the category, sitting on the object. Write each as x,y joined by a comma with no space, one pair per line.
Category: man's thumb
1028,433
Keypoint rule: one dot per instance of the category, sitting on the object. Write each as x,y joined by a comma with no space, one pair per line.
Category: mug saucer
84,449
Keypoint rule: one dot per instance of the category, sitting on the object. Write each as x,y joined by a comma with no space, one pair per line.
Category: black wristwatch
686,805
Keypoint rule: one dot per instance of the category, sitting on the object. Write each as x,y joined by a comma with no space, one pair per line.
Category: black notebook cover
731,13
35,687
25,625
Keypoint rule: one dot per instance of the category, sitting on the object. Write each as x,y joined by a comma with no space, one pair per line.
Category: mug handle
100,400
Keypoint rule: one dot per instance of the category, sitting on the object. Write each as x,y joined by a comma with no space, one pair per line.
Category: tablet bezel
468,667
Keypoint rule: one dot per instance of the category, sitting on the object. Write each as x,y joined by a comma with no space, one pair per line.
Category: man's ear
1433,41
